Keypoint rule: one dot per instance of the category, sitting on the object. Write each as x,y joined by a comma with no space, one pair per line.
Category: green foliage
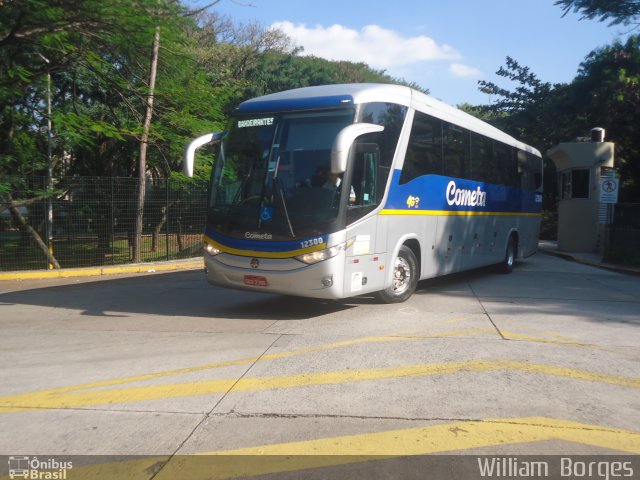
610,79
278,71
605,93
96,53
625,12
90,48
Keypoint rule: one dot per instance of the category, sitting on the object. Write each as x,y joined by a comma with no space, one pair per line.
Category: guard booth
588,189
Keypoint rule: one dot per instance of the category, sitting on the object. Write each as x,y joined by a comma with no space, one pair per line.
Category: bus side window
530,171
364,184
482,161
424,152
456,151
368,181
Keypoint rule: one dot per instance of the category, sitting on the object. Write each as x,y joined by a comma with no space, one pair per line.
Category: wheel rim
401,276
510,255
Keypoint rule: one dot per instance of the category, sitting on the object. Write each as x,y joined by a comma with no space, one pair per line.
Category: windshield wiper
243,184
276,182
278,185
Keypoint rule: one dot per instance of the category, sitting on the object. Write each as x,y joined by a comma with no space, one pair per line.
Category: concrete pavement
543,361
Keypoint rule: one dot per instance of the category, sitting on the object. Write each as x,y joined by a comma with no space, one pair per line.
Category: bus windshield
274,175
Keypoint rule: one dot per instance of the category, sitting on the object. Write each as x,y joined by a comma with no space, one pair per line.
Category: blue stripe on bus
430,193
256,245
261,106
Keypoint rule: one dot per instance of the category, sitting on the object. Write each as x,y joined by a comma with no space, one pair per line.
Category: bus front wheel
405,277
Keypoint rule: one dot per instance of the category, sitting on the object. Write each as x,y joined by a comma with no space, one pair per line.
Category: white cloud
376,46
460,70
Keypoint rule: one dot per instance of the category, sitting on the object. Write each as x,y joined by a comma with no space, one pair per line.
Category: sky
445,46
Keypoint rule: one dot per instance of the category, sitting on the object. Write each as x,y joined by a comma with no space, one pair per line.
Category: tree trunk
179,236
156,230
144,143
34,235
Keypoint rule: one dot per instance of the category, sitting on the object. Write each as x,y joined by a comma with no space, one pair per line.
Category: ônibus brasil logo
37,469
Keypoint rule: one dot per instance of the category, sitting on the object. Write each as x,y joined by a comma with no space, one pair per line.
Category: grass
18,253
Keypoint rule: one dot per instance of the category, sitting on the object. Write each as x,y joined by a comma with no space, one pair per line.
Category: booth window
575,183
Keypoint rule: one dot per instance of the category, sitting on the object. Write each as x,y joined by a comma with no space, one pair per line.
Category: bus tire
405,277
506,266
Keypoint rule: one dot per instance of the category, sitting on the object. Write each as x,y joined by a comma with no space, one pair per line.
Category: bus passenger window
530,171
424,152
456,151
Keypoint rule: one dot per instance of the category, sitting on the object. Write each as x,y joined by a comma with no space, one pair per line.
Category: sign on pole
609,186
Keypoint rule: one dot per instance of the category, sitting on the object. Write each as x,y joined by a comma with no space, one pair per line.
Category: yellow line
350,449
263,254
560,338
453,213
565,341
450,437
50,393
78,399
97,271
270,356
334,451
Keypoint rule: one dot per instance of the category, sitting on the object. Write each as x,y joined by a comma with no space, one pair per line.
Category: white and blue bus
343,190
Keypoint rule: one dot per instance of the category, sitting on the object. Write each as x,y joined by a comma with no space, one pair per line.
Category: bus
344,190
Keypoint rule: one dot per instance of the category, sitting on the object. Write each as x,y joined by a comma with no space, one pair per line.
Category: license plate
255,281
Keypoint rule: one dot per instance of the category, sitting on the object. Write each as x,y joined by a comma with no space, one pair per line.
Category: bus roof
327,96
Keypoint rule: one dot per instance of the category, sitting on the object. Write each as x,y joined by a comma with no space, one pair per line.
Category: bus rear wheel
506,266
405,277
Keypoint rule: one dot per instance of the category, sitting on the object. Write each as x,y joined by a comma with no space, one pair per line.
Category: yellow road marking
529,338
450,437
98,271
57,398
349,449
246,361
83,395
561,339
402,337
555,340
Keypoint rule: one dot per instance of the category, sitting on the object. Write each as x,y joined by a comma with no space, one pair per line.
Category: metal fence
624,235
94,221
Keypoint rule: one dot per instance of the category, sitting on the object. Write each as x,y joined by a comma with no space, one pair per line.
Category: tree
56,37
101,94
605,93
608,89
528,111
117,114
625,12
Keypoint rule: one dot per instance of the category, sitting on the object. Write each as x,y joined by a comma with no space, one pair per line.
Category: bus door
365,186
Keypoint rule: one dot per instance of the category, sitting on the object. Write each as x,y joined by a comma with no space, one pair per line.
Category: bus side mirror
344,140
187,165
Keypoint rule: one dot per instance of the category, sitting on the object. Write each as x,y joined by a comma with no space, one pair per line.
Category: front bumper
282,276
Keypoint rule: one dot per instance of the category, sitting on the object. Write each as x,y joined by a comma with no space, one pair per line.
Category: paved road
543,361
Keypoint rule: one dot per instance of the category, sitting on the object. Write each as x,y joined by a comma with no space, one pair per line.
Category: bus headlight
211,250
327,253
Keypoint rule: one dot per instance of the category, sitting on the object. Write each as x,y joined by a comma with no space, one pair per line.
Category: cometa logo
258,236
462,197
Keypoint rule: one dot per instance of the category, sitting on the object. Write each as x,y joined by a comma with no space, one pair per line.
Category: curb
191,264
583,261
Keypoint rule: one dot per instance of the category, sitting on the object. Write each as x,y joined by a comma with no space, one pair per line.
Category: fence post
113,238
166,226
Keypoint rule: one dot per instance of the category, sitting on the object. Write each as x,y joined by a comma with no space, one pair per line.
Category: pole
144,143
49,228
49,173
